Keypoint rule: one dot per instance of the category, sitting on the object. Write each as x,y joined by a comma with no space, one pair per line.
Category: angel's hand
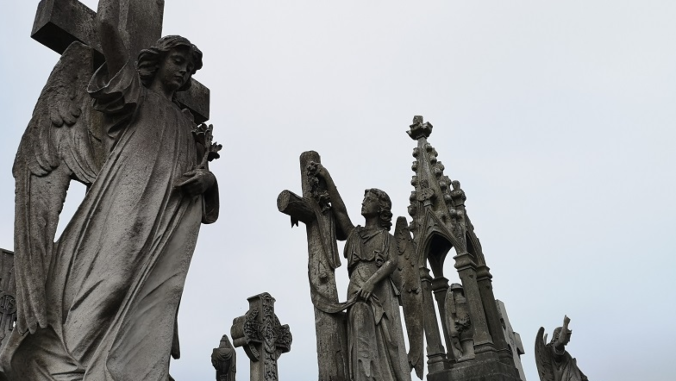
198,182
319,170
566,320
566,336
366,290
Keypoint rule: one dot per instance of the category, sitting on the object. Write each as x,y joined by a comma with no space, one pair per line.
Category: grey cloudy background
557,117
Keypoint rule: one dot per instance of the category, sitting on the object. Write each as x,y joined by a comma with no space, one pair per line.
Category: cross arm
58,23
295,206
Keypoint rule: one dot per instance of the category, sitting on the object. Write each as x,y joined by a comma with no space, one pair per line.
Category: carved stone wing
407,279
543,359
56,147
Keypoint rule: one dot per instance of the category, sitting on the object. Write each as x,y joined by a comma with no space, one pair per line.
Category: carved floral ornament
7,304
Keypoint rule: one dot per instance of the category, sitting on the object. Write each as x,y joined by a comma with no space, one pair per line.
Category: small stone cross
60,22
264,339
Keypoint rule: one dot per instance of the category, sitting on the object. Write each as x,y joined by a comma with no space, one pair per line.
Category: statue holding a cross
362,338
101,302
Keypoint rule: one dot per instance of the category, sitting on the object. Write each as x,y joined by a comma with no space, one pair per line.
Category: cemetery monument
224,360
121,114
553,361
467,342
101,303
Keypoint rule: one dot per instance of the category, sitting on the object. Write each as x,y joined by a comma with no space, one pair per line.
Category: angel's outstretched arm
564,336
112,39
338,206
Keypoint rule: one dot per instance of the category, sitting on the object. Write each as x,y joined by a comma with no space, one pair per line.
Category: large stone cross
264,339
60,22
313,210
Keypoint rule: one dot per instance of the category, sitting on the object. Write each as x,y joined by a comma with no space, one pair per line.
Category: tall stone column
436,354
492,314
483,341
440,289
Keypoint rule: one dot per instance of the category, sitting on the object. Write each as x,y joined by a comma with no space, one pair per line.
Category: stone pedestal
478,370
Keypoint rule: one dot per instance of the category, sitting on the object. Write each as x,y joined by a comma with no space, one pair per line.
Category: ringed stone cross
264,339
58,23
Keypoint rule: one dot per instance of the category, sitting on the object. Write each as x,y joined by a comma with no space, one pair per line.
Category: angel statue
375,339
554,363
100,304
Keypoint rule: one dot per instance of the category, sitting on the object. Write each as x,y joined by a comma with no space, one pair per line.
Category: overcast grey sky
557,117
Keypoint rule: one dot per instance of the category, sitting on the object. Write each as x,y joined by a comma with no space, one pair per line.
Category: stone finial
419,129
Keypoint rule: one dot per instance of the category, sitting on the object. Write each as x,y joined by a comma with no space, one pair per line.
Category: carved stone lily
203,134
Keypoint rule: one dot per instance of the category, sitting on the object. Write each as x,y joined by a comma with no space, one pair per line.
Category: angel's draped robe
564,365
375,337
120,265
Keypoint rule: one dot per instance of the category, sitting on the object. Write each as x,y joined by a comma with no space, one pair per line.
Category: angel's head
172,60
556,334
377,203
558,331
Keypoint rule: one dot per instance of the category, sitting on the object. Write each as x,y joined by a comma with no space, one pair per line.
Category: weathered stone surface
459,324
7,294
323,259
376,261
58,23
554,363
262,336
471,323
103,302
513,339
410,287
480,369
469,314
224,360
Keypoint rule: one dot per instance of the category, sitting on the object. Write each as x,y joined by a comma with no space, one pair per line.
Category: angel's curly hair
385,207
149,59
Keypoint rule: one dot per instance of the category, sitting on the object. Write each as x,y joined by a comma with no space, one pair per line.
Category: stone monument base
488,368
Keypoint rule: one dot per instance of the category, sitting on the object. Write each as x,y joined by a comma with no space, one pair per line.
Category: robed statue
100,304
375,338
224,360
459,324
554,363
